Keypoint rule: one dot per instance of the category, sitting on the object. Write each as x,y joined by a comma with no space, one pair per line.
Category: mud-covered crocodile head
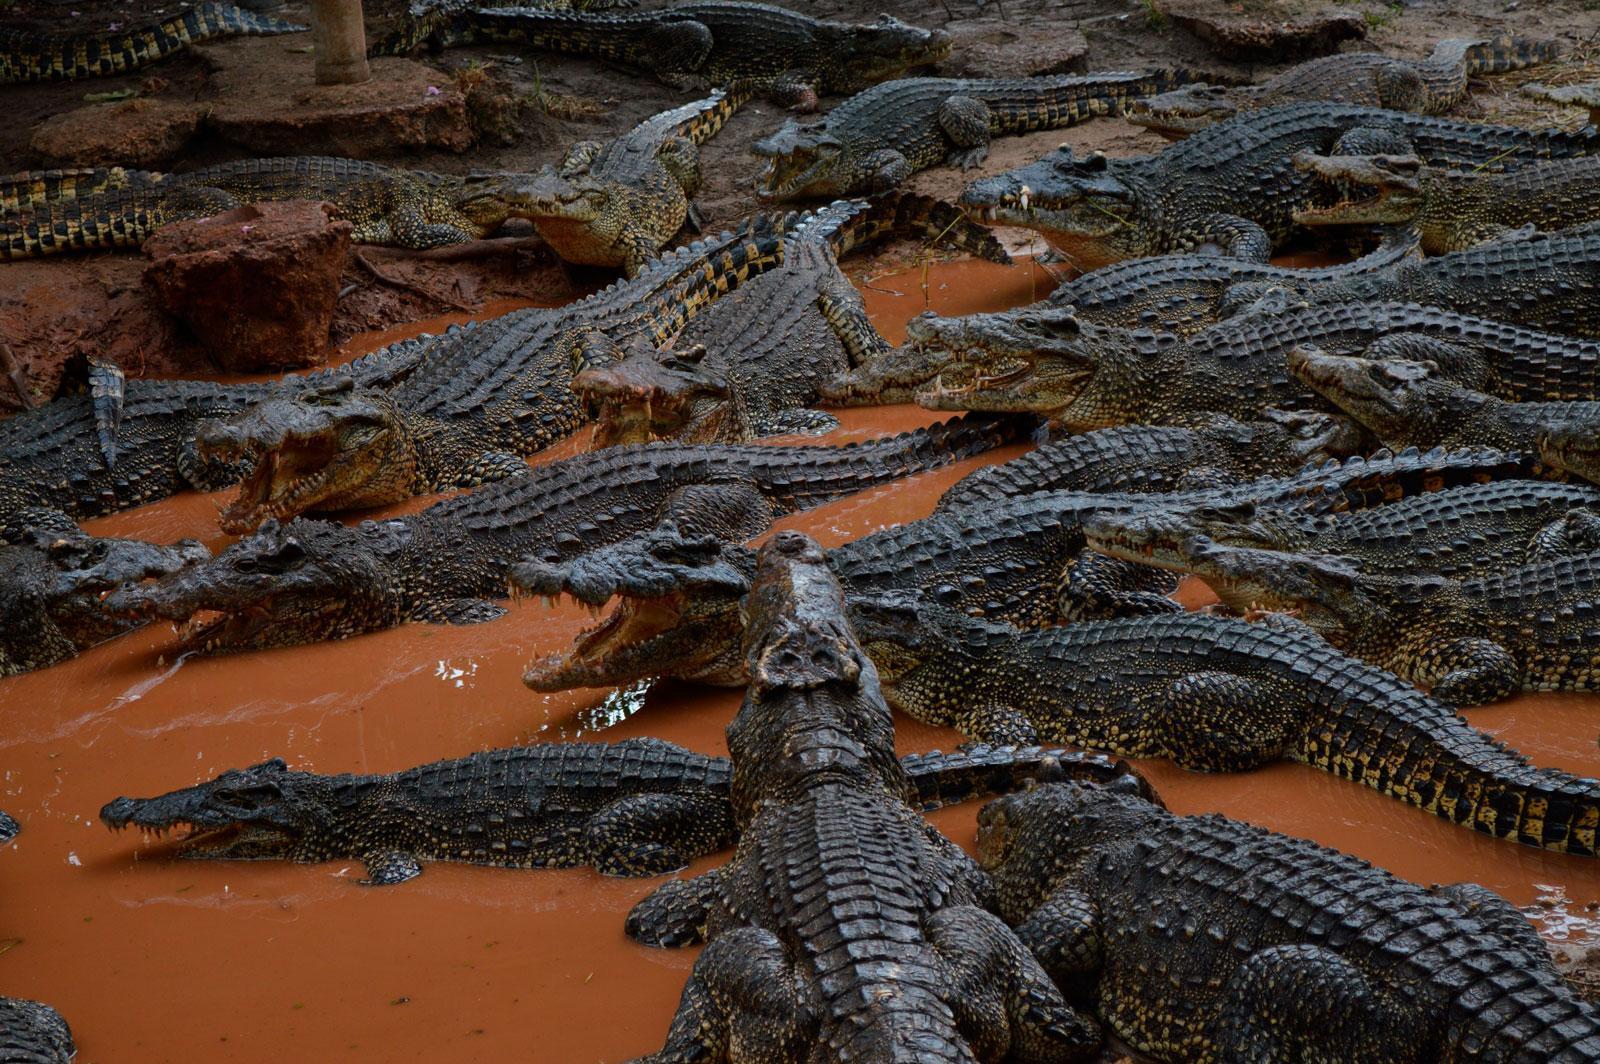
288,584
53,577
865,53
651,395
1400,401
1573,447
1079,203
1158,534
806,159
329,447
1184,110
262,813
676,611
1031,841
1377,189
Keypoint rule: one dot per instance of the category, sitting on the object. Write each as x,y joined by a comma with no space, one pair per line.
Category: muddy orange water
153,959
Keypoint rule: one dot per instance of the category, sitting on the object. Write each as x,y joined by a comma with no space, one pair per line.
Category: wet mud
154,959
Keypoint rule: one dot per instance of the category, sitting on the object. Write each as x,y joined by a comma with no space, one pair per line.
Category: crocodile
749,365
1431,86
52,575
1571,448
1584,96
1019,560
1412,404
32,1032
8,827
1458,532
385,205
638,807
1218,694
1233,186
843,927
29,188
488,394
27,56
706,43
1453,209
1203,939
876,139
1082,376
618,203
308,580
1470,640
434,24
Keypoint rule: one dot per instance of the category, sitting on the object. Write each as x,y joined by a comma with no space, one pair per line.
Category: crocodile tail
848,224
712,113
1056,102
618,38
729,261
30,188
980,769
1496,55
38,57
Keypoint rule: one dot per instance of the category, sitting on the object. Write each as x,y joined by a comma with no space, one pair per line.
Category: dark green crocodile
1470,640
1201,938
385,205
310,580
52,576
1454,209
32,1032
1413,404
1458,532
1082,376
1431,86
1017,560
26,56
876,139
749,365
1233,186
707,43
637,807
1217,694
843,927
618,203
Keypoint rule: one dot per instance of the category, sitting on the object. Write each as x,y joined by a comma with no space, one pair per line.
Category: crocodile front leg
885,170
1575,532
1468,672
1064,934
967,123
651,834
1219,722
676,913
1097,587
1230,236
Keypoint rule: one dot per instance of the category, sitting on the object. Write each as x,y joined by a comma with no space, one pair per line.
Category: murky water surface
153,959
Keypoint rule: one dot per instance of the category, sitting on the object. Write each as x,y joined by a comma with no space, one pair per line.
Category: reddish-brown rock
257,286
997,48
1274,31
142,133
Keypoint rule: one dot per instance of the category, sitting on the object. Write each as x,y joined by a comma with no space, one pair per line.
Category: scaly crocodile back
41,57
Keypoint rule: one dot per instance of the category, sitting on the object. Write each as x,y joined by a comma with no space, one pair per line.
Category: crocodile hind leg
796,90
676,913
1575,532
1468,672
1064,934
1220,722
1230,236
1401,88
966,122
675,52
1097,587
1501,916
650,834
741,1002
1306,1004
1005,1005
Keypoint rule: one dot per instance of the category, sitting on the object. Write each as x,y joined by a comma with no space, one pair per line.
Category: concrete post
341,42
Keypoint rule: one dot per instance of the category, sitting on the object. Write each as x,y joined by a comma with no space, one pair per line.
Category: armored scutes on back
32,1032
1234,186
632,808
28,56
843,928
1207,941
1429,86
876,139
52,577
309,580
706,43
1216,695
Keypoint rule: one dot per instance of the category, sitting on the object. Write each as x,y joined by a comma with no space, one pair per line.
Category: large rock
142,133
1271,31
997,48
257,285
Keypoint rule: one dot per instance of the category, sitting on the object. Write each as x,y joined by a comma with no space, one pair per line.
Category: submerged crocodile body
28,56
876,139
1046,362
637,807
32,1032
1217,694
385,205
618,203
1451,209
310,580
52,576
749,366
1429,86
1234,185
707,43
843,927
1207,940
1015,560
